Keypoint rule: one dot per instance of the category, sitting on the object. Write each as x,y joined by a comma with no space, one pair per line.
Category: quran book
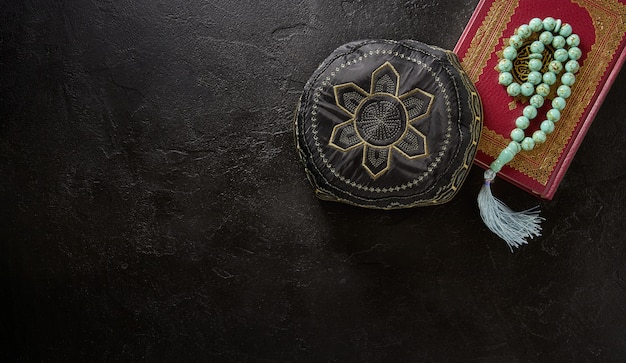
601,25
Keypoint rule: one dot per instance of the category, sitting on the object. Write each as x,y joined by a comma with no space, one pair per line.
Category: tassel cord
513,227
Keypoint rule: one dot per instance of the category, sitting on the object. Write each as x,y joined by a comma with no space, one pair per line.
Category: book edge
576,140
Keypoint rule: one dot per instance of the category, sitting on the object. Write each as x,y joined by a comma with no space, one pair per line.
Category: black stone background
153,207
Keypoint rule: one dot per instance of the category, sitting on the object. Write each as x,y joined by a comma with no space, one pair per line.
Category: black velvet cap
388,124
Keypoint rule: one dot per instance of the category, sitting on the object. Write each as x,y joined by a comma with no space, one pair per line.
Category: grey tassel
513,227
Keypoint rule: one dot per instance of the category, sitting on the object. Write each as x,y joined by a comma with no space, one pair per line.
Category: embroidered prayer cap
388,124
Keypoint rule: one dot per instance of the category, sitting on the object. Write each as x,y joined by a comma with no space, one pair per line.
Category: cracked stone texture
154,209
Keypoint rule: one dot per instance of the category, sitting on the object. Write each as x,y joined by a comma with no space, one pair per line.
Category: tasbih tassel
513,227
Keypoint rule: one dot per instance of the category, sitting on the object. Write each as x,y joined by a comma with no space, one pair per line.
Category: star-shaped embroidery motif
381,121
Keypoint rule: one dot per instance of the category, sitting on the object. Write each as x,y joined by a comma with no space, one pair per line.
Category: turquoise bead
543,89
517,134
547,126
561,55
535,64
566,30
553,115
568,79
496,165
557,26
537,47
549,23
527,89
546,37
572,66
506,155
539,137
536,101
524,31
509,53
514,146
559,103
513,89
555,67
573,40
535,24
558,42
549,78
505,65
528,143
574,53
516,41
564,91
522,122
505,78
535,78
530,112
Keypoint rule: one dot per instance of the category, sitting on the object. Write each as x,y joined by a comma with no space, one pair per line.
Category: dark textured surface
153,207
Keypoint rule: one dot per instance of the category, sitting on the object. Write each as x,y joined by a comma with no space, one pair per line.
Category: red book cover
601,25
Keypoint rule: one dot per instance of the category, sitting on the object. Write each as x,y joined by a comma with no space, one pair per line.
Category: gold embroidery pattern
476,108
609,22
381,121
444,192
418,178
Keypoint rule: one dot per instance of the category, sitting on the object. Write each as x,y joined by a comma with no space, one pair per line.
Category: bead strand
537,86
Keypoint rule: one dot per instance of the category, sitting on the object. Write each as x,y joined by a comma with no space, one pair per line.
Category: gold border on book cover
609,22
